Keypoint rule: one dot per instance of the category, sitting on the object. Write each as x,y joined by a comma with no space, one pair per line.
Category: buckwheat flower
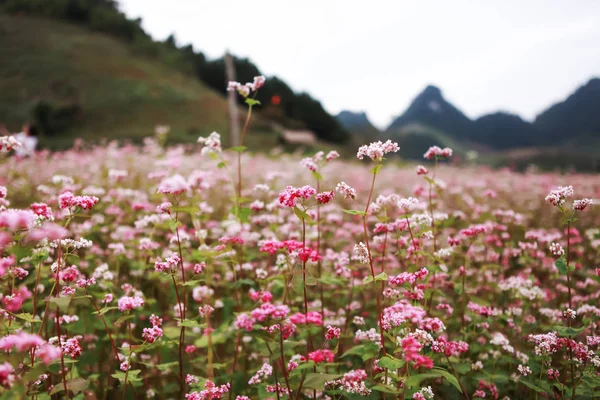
421,170
524,370
125,366
127,303
558,196
174,185
425,393
71,347
7,372
361,252
9,143
290,196
232,86
435,151
332,155
152,334
408,204
580,205
264,372
477,366
345,190
3,192
556,249
570,314
325,197
212,144
376,150
191,379
553,374
309,164
360,321
332,332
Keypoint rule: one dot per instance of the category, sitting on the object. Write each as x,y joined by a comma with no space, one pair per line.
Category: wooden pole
234,120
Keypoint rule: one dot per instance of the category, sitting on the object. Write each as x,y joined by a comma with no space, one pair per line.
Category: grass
122,95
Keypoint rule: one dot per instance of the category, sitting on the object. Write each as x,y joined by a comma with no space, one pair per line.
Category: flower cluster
376,150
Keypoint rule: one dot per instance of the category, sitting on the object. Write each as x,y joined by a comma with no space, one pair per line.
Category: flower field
145,272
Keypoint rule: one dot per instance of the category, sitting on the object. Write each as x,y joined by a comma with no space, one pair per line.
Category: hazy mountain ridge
572,121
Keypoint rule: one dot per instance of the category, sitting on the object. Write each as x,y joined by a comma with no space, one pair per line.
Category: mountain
430,108
83,69
357,122
577,116
85,84
574,123
505,131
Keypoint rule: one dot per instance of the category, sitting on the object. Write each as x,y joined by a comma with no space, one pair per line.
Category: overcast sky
377,55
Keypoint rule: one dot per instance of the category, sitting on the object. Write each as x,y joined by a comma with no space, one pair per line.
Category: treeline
280,102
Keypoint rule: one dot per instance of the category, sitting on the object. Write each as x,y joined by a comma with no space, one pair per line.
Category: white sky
377,55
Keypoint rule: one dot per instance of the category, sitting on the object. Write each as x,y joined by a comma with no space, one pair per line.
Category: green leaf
123,318
532,385
222,164
311,281
238,149
567,331
27,317
105,310
330,280
381,277
302,215
243,213
367,280
354,212
191,324
391,362
317,381
61,302
317,176
375,170
252,102
132,375
415,380
561,265
76,385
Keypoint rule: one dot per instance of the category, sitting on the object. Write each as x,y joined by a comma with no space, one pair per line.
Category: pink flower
580,205
376,150
68,200
174,185
345,190
127,303
291,194
421,170
320,356
558,196
41,209
332,332
325,197
435,151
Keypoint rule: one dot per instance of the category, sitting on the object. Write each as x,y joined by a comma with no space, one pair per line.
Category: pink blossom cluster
68,200
291,195
128,303
376,150
436,151
152,334
247,88
211,392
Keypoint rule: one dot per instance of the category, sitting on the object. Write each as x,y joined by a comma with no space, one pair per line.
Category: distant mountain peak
357,122
432,91
431,109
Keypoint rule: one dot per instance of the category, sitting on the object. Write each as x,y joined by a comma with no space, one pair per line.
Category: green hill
90,85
